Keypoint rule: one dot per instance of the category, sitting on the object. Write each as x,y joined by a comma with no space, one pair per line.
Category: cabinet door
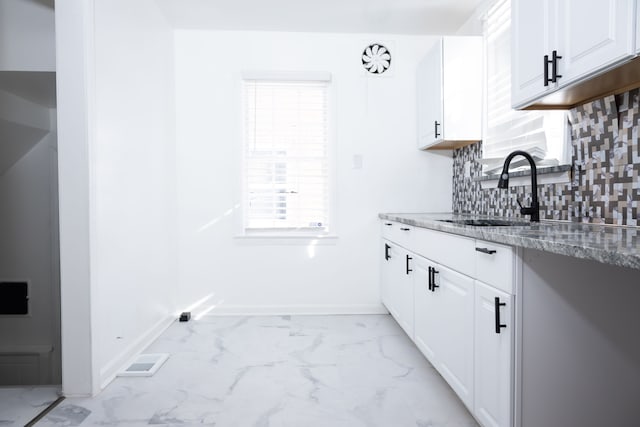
533,28
454,292
404,293
429,93
493,357
397,284
389,275
637,28
593,34
427,327
462,88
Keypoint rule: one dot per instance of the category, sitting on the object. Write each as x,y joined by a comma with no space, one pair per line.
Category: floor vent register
145,365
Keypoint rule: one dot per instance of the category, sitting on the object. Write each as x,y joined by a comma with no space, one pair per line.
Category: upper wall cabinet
560,44
449,86
637,29
533,29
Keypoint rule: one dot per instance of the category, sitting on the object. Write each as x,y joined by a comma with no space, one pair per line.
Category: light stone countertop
608,244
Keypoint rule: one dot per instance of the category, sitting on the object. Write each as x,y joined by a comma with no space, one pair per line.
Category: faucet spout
503,182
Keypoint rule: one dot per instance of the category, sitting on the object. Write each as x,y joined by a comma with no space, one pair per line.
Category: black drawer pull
386,252
486,251
497,305
408,269
554,66
405,229
430,282
546,62
433,279
388,224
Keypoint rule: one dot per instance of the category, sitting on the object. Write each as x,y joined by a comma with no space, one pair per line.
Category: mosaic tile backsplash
606,163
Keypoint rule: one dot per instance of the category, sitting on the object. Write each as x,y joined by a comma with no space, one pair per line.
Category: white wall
27,37
134,260
75,107
375,117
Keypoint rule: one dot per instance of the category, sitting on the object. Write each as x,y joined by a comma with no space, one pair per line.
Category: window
541,133
286,155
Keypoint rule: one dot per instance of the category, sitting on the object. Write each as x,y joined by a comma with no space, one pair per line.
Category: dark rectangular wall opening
14,298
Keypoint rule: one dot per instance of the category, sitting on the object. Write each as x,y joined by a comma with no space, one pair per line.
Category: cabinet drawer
495,265
398,233
456,252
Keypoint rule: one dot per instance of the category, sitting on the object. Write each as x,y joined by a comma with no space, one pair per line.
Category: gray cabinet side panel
580,343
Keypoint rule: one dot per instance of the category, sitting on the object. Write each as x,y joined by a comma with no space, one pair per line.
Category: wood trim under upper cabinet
616,80
450,145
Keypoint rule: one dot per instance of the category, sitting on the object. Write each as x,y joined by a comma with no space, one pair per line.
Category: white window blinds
540,133
286,144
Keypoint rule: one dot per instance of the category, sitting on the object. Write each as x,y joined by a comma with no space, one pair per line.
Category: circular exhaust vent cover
376,58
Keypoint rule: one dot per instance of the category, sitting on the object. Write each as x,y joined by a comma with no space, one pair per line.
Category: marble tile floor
279,371
19,405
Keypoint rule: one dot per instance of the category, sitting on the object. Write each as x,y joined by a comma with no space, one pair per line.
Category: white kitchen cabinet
397,284
493,356
454,316
449,92
494,264
442,289
557,43
428,331
387,275
404,292
637,28
593,35
444,323
533,27
429,92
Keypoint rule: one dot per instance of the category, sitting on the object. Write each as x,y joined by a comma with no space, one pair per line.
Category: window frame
293,235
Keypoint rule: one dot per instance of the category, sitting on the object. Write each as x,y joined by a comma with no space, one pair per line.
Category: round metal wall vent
376,58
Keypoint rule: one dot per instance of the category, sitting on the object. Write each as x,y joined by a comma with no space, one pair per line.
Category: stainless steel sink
486,222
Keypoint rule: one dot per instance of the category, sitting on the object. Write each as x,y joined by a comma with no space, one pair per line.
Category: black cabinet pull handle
433,280
386,252
388,224
405,229
408,269
546,70
430,282
435,126
554,66
497,305
486,251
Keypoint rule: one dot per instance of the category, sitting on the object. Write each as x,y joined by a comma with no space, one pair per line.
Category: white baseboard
109,371
283,310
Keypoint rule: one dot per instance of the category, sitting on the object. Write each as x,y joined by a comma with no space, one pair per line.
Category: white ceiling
339,16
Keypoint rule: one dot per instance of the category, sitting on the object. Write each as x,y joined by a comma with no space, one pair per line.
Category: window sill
286,239
548,175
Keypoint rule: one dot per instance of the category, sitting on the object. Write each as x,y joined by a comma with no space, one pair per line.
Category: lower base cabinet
462,325
456,321
493,337
388,276
397,285
427,331
443,308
